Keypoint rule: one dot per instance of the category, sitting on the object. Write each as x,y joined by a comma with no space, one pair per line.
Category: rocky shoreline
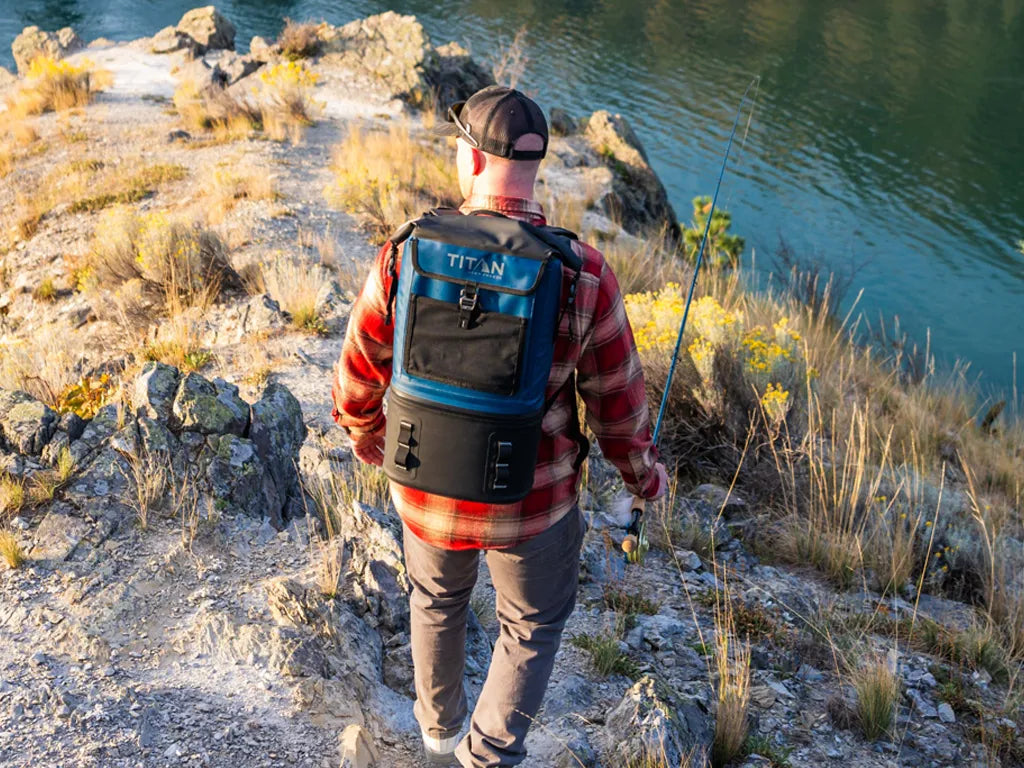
173,608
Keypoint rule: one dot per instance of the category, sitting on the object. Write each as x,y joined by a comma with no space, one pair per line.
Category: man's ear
479,162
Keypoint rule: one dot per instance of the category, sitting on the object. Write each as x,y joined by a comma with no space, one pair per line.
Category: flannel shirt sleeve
610,379
363,372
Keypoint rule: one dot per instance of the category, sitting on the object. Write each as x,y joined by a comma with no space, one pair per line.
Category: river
887,142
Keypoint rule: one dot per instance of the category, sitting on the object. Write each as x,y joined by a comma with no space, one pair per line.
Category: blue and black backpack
476,308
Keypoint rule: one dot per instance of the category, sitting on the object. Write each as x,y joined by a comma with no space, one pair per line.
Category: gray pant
536,582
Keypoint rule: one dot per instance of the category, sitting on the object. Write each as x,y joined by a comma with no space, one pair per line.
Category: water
888,137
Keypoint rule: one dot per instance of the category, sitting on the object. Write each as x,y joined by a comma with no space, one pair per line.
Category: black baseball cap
493,119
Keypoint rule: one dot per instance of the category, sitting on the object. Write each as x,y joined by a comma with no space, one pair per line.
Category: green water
888,138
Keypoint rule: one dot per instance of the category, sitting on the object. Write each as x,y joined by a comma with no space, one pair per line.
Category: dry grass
299,40
732,665
11,551
176,342
387,177
55,86
295,285
229,183
12,496
877,687
44,365
88,185
178,263
282,107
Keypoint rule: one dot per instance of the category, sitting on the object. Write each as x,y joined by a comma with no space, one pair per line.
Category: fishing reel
635,544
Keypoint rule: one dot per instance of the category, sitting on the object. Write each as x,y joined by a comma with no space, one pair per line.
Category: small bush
86,396
721,247
217,111
179,262
878,689
56,86
45,291
732,663
299,40
287,99
11,551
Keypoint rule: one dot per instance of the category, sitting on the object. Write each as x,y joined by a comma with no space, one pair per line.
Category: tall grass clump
57,85
11,551
387,177
299,40
296,286
732,674
877,687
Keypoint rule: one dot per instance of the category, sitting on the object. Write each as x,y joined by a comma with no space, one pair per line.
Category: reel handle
632,538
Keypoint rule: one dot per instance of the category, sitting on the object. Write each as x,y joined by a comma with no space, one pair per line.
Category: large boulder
638,198
154,391
394,52
210,408
171,39
277,430
34,42
208,28
26,425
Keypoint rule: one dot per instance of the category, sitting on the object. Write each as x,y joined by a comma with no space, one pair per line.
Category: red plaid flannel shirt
609,379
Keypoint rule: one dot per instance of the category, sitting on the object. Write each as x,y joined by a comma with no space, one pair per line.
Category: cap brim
443,128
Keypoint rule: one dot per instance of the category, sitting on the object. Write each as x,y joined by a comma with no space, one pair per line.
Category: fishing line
754,84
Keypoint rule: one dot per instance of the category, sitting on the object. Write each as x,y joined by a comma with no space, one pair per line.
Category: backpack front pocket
484,354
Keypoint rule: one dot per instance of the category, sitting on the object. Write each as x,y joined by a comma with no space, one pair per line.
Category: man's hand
662,481
368,447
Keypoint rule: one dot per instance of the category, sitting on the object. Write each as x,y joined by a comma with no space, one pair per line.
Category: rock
26,425
651,720
208,28
568,695
376,567
208,408
261,314
278,431
638,200
395,53
687,560
357,750
946,713
154,391
720,498
456,76
233,67
398,671
261,50
238,477
171,39
56,537
72,425
34,42
921,705
561,123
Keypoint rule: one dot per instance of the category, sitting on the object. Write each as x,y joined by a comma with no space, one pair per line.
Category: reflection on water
888,133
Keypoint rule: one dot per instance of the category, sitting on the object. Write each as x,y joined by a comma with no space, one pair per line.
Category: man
533,546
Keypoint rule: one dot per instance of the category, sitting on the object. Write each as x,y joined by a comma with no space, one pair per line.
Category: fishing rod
635,544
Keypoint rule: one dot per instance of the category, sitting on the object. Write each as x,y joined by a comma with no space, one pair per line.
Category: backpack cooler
477,306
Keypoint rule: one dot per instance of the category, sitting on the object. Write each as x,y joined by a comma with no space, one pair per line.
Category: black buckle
469,303
404,451
502,457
